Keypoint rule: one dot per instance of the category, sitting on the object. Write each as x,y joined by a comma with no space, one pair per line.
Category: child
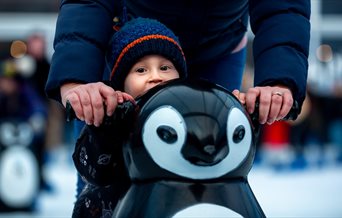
142,54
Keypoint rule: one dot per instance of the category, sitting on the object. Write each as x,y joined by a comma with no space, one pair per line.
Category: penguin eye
238,127
163,135
21,134
167,134
7,134
239,135
25,134
164,126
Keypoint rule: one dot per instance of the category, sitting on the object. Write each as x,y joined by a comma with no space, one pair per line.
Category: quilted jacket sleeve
281,43
82,32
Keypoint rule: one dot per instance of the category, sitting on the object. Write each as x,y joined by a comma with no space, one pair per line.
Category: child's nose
156,74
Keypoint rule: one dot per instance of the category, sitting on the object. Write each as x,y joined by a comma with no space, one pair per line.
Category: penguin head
15,132
190,129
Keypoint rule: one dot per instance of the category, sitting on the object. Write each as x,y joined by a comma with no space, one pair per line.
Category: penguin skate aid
188,151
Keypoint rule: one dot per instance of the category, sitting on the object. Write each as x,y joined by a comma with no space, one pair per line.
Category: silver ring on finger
278,93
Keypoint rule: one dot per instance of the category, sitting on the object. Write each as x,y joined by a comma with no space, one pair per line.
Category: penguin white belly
18,176
206,210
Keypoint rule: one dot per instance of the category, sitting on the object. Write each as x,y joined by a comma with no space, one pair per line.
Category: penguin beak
209,155
206,142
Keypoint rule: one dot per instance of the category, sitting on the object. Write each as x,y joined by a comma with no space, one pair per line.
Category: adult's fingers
286,105
86,102
96,101
276,105
236,93
110,98
251,97
72,92
240,95
75,103
67,90
265,100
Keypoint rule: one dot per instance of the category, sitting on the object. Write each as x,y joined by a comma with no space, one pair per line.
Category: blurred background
298,166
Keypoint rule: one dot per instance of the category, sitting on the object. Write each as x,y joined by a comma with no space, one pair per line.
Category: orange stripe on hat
140,40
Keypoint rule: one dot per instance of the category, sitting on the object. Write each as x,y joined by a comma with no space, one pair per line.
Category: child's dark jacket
98,156
98,152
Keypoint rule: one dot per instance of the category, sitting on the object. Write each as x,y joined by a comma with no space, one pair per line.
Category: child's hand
88,100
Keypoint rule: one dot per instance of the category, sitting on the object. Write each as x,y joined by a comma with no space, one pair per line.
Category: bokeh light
324,53
18,49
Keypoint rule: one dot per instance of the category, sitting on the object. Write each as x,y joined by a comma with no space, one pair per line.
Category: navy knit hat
136,39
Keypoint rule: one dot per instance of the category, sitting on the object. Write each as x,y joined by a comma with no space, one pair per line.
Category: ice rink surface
312,192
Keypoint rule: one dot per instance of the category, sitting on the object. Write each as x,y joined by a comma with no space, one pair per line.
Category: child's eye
140,70
165,67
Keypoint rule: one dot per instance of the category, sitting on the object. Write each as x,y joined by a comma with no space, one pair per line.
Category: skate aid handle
123,110
292,115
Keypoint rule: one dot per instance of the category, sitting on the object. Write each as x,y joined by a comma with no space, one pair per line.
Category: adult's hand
88,100
275,102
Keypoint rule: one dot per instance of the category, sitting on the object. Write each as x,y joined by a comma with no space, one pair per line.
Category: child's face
148,72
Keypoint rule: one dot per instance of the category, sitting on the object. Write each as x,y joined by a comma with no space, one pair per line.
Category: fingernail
270,121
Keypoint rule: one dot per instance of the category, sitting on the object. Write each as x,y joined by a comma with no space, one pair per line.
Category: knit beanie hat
137,38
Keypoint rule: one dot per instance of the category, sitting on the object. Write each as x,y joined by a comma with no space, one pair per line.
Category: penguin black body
189,154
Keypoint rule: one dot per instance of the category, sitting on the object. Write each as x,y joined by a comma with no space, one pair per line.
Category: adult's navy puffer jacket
206,29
